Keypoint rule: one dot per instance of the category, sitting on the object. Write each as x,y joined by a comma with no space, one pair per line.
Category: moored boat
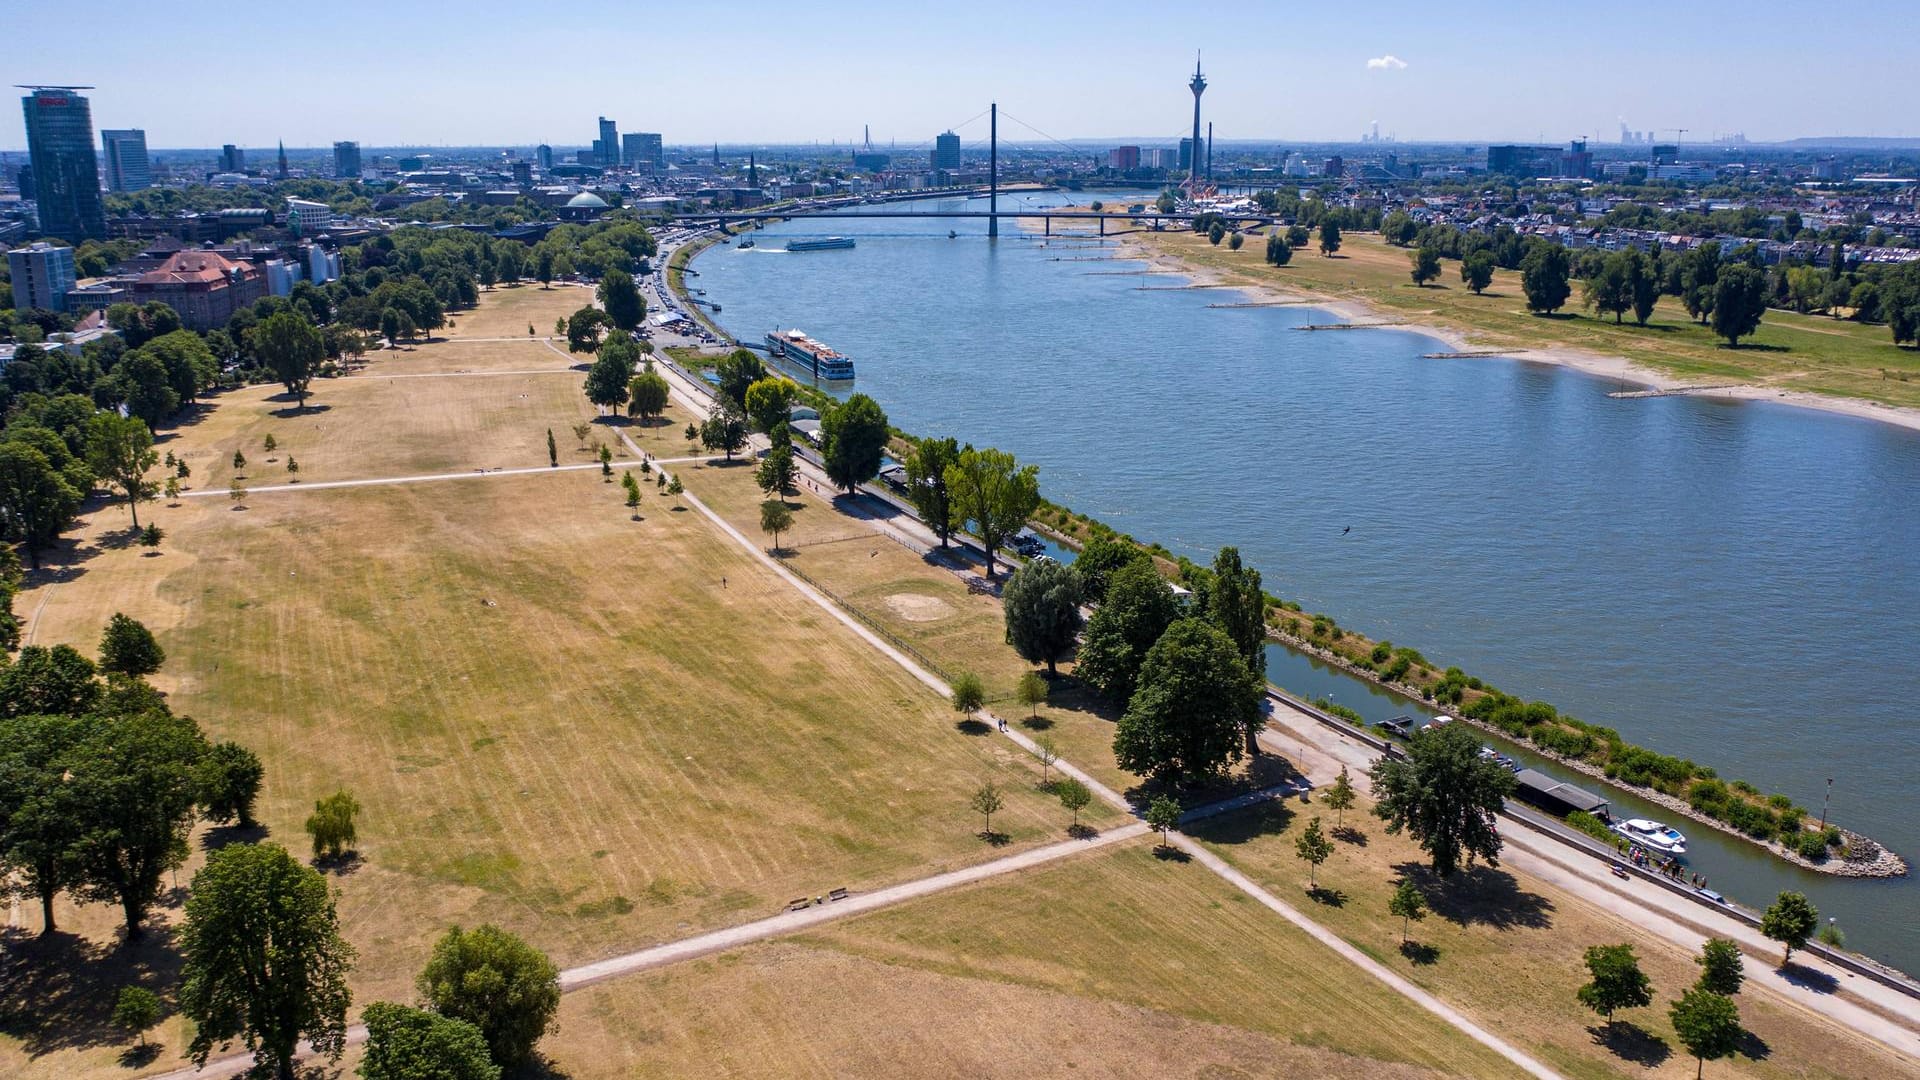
1652,835
796,348
824,243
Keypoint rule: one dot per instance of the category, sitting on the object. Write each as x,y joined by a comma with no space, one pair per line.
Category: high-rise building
1577,162
522,173
543,156
1186,154
346,160
644,150
66,174
606,148
946,152
42,274
232,158
1123,158
125,152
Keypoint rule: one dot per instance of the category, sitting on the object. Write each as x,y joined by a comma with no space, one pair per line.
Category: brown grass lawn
1508,952
1795,352
505,311
442,356
555,717
1111,964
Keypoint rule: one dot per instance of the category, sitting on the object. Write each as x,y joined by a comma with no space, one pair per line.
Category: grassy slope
1795,352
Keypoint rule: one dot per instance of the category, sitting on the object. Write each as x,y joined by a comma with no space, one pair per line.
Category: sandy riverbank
1601,365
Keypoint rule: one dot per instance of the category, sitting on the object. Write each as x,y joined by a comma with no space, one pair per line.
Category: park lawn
1113,963
1791,351
554,717
1507,951
505,311
448,357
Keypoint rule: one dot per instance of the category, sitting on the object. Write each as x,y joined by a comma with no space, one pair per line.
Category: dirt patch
915,608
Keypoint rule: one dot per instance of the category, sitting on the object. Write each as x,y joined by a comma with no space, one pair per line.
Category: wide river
1728,582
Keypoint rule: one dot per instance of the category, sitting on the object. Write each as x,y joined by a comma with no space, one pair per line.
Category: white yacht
1652,835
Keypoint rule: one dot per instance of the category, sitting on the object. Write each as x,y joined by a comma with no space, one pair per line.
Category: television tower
1198,84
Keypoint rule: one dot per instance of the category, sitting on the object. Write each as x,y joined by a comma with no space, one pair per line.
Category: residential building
204,287
308,218
125,152
232,159
346,161
1123,158
946,153
1163,157
42,274
66,174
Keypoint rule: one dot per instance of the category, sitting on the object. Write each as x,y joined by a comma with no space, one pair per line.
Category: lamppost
1823,804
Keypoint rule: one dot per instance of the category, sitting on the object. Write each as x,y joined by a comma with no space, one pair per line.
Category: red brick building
206,288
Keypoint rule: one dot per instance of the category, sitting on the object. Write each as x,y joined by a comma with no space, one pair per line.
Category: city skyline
1424,75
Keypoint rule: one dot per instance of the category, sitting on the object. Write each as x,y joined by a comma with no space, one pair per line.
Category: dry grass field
1507,951
507,311
1111,964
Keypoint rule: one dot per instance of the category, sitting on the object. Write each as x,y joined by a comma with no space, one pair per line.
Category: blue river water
1729,582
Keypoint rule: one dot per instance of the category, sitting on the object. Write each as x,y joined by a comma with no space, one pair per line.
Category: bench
837,894
801,904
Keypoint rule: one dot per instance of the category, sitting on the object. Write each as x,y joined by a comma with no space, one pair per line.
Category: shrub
1833,836
1382,651
1813,845
1596,828
1398,668
1779,801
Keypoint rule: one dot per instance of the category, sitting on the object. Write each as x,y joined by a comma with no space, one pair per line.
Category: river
1725,581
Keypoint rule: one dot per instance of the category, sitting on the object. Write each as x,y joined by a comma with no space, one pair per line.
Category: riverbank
1871,383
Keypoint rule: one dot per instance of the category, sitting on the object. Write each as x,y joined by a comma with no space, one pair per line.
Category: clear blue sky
195,73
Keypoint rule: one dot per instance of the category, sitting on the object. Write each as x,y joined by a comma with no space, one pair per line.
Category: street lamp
1824,803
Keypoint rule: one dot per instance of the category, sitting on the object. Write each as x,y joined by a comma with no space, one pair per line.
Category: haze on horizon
487,72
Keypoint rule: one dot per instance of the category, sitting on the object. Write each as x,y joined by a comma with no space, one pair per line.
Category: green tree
1329,238
647,396
584,328
136,1009
767,401
1409,903
227,782
1426,265
40,815
289,345
496,982
1194,701
129,648
737,372
775,518
1041,603
1339,797
631,487
1216,232
987,802
10,581
1790,920
37,503
1313,847
1074,797
239,460
1476,271
1297,236
1617,983
968,695
1031,691
1235,240
132,780
625,307
149,393
1445,795
1609,291
1100,557
264,961
855,434
1163,816
55,681
1279,252
1707,1024
332,825
776,471
607,380
1739,300
725,428
1544,276
1398,229
1137,611
414,1044
675,488
1699,272
553,450
994,492
927,484
1643,285
1722,968
1236,602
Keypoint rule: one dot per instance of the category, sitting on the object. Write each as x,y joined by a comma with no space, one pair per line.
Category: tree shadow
1266,818
997,839
1333,898
341,865
310,410
1557,316
1082,831
1807,978
1756,347
1753,1047
221,835
1628,1041
1169,853
1485,895
139,1056
1347,834
1036,723
57,991
1420,953
973,727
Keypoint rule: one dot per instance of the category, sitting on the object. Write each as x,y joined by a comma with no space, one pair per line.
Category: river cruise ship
796,348
824,243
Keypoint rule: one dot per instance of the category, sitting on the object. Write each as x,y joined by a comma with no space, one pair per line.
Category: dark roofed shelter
1556,796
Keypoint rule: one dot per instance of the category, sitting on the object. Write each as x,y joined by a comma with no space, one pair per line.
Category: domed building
583,207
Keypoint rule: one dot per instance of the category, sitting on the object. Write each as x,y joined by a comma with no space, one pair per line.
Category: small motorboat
1652,835
951,234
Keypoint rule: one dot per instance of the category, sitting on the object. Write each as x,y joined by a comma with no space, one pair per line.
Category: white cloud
1388,62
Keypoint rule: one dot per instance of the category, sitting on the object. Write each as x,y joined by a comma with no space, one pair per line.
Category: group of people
1669,866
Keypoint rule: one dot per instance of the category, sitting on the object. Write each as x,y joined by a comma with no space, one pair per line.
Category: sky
490,72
